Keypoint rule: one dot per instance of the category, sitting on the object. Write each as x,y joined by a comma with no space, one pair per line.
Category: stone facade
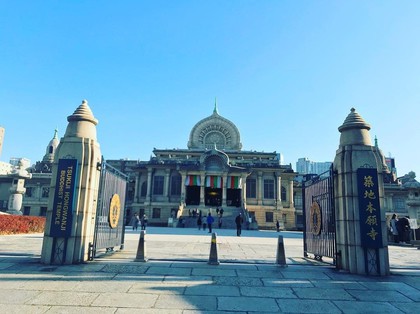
212,172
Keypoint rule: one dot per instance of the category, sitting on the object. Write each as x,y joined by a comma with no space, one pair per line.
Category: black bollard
213,259
141,249
281,256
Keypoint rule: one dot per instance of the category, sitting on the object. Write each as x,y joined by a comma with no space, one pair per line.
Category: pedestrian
239,221
210,221
221,212
220,222
199,221
135,221
204,221
217,211
144,222
403,227
394,230
278,225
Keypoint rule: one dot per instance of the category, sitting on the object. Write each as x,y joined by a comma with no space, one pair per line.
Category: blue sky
285,72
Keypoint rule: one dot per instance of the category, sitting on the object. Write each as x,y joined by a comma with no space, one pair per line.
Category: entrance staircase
228,219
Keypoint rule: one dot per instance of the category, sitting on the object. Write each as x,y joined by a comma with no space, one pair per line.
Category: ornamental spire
215,111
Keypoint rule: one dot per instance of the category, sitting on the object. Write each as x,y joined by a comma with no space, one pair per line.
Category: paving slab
63,298
366,307
177,279
214,290
134,300
187,302
307,306
248,304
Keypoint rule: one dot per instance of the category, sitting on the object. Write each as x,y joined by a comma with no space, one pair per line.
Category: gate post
75,178
361,232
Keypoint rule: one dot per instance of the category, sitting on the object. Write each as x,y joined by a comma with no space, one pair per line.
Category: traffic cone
281,256
213,259
141,249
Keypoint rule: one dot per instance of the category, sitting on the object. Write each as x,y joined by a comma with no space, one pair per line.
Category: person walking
239,221
144,222
199,222
394,230
221,211
277,225
204,221
210,221
135,221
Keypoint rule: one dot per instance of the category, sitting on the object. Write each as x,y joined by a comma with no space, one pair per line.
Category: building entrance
213,197
192,196
233,197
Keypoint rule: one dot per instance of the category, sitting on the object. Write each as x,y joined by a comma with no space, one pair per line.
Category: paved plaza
177,278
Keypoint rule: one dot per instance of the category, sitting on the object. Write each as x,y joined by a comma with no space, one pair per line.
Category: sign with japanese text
62,214
369,208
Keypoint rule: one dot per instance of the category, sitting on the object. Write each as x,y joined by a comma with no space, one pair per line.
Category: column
202,188
244,191
278,198
183,177
259,188
224,190
291,193
166,184
149,186
361,244
69,232
137,188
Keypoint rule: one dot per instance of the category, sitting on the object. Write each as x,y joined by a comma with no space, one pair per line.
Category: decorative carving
316,219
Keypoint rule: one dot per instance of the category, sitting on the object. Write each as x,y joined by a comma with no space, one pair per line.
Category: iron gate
319,217
109,228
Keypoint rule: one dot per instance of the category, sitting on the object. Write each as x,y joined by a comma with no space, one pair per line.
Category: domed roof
215,131
51,148
412,184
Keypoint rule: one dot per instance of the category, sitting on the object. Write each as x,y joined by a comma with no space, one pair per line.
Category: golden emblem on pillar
315,219
114,211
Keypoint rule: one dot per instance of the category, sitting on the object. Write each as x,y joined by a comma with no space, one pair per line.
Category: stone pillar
72,204
291,202
149,186
244,191
137,188
361,230
183,177
278,194
202,189
166,184
259,188
224,193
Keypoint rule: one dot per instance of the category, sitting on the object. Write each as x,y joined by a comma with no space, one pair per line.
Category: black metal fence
319,217
109,229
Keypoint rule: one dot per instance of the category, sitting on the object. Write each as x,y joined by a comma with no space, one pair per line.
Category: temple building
212,172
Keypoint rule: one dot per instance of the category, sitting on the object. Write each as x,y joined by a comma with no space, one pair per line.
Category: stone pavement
177,278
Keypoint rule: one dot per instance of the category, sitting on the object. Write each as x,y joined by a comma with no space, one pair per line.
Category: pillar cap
354,121
83,113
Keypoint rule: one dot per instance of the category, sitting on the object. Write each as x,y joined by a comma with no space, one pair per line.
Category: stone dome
51,148
215,131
